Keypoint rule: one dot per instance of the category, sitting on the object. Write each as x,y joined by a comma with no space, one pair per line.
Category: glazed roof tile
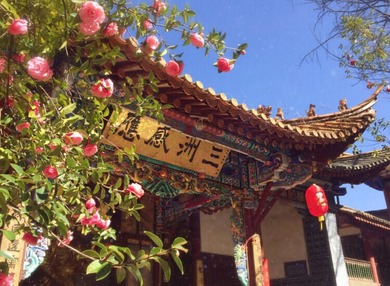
191,98
357,169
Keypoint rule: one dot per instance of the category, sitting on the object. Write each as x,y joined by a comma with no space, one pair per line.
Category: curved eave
365,218
192,99
358,169
343,124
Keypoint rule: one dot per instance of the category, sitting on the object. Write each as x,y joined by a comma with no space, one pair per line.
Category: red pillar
371,258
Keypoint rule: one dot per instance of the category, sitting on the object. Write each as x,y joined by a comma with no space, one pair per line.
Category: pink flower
52,146
11,102
90,149
152,42
3,64
39,150
91,12
136,189
224,65
89,204
18,27
174,68
111,30
103,88
22,126
95,218
147,24
85,221
19,58
89,29
39,69
158,7
30,239
103,224
50,172
197,40
66,240
6,280
73,138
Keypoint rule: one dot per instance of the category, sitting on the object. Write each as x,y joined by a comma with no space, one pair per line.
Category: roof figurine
279,114
311,112
266,110
343,104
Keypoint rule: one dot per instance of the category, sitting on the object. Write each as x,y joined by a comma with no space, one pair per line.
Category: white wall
216,235
283,238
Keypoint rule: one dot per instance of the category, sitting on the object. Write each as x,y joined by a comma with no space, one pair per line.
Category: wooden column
254,250
371,258
257,261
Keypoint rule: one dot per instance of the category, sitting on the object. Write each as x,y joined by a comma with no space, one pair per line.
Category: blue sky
279,34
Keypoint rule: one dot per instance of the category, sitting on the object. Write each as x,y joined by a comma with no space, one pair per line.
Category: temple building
231,180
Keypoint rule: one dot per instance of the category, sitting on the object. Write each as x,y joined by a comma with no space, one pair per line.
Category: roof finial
311,112
264,109
343,104
279,114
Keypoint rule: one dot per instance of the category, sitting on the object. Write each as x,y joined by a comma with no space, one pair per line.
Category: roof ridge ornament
312,111
343,104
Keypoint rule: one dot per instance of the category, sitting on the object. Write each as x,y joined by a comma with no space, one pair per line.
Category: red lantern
316,202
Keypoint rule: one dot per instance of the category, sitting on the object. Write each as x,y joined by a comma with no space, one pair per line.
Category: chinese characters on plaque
161,142
15,248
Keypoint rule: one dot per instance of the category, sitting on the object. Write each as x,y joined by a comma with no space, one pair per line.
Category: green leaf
70,162
104,271
6,255
68,109
64,44
19,170
103,248
120,275
8,178
91,253
9,234
118,183
94,267
178,261
9,7
157,241
155,250
41,194
117,253
137,274
178,242
5,193
45,215
165,267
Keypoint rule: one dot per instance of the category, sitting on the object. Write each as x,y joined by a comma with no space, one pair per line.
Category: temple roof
325,136
356,169
366,218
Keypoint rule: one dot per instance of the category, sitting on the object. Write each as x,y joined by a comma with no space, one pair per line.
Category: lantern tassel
321,220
